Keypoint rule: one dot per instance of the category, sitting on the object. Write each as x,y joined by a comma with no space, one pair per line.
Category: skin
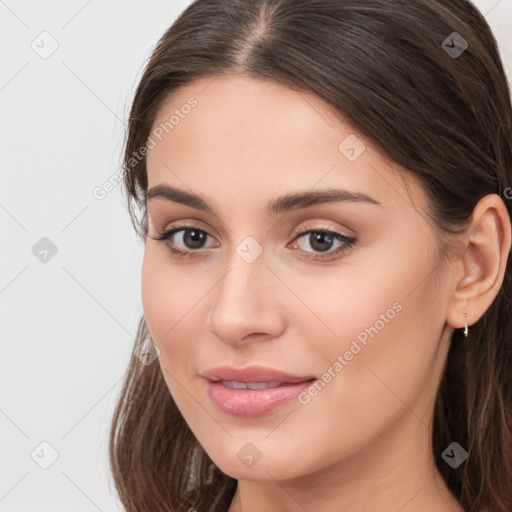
364,442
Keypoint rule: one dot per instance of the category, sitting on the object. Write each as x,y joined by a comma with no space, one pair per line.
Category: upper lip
253,374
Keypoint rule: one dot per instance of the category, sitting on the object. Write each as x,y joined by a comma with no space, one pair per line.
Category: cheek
379,314
175,316
387,333
152,294
163,298
353,303
388,375
174,310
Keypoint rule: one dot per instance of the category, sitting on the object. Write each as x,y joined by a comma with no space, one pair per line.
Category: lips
253,374
252,391
250,385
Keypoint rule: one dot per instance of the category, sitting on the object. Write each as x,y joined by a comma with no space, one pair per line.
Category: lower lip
253,402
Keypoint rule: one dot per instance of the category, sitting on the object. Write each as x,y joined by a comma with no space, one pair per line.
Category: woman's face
363,315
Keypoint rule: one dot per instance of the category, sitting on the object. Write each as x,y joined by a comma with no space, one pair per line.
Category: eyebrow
281,204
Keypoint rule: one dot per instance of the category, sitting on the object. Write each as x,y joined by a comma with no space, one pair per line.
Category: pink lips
273,388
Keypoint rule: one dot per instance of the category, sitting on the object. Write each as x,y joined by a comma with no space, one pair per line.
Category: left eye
322,241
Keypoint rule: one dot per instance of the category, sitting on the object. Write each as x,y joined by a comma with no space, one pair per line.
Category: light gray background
68,324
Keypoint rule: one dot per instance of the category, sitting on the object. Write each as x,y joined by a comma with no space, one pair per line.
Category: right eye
192,239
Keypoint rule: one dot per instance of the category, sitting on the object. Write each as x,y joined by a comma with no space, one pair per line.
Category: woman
326,280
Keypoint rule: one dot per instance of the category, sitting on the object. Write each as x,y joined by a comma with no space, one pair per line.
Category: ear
478,273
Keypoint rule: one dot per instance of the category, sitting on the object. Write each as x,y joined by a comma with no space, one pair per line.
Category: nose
246,303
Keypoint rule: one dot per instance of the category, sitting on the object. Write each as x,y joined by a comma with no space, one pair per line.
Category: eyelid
170,231
323,226
187,223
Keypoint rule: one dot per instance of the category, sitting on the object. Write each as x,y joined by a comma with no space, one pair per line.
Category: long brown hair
384,66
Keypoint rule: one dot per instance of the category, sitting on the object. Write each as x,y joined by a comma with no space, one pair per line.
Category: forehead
239,116
246,137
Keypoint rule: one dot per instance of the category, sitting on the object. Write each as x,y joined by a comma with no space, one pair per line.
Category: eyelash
349,242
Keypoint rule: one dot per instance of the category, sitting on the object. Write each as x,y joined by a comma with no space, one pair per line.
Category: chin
246,464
